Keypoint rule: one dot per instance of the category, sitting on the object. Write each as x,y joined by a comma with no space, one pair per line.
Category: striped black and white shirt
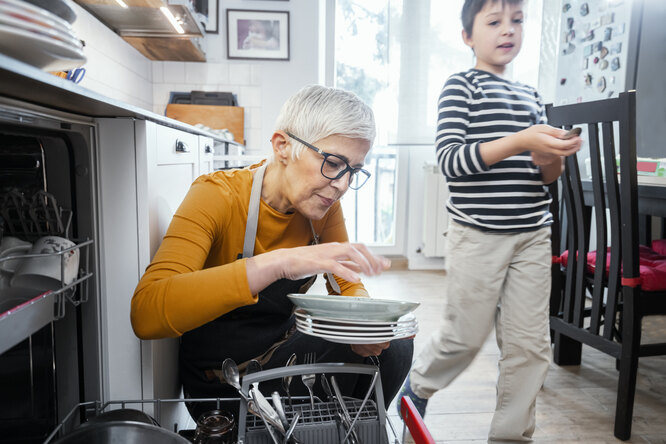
475,107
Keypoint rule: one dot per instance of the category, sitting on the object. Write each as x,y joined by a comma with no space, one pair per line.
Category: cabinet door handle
208,149
181,147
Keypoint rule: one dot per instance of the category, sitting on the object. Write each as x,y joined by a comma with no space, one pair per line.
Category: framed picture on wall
213,26
253,34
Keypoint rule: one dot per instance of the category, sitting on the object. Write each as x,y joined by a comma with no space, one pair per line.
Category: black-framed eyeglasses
334,167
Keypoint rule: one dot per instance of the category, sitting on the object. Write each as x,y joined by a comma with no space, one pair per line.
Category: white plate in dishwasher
351,307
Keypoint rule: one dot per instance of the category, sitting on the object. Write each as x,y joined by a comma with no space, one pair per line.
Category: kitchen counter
24,82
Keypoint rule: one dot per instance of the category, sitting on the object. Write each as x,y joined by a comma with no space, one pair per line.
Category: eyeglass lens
334,167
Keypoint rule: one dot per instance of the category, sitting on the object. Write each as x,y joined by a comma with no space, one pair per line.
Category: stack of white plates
355,332
354,320
38,37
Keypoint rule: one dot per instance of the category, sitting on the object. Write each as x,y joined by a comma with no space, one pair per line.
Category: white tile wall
243,80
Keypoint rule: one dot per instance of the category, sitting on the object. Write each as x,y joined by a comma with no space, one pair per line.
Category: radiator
435,216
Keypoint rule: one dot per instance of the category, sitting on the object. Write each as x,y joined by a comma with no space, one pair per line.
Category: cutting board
215,117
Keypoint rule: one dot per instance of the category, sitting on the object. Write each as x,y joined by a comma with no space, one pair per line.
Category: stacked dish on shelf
354,320
39,37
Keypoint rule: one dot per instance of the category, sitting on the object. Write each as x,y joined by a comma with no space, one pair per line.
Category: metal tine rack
319,424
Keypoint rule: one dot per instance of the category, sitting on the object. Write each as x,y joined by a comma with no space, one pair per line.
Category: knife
353,437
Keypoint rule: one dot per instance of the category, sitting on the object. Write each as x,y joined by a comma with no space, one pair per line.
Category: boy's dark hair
472,7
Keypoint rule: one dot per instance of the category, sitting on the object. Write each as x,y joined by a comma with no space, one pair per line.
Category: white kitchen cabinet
149,170
206,154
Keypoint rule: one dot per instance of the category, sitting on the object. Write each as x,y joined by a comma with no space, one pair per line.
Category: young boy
497,154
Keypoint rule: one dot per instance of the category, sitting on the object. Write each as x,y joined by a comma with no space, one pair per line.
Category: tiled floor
577,403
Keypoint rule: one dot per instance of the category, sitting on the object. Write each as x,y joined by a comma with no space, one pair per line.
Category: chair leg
626,387
626,391
567,351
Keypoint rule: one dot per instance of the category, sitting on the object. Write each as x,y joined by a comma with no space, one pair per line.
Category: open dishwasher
307,420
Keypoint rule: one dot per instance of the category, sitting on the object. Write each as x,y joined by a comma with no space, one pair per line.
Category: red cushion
652,267
659,246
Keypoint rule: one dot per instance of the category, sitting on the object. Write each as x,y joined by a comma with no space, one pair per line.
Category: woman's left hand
366,350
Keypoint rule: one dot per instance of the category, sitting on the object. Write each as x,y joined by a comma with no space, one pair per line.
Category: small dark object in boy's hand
573,132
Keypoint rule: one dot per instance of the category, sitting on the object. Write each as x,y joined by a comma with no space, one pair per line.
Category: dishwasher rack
319,425
316,425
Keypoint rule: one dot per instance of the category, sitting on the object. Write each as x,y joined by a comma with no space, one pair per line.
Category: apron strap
253,212
329,276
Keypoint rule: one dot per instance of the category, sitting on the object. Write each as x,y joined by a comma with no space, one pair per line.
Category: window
396,55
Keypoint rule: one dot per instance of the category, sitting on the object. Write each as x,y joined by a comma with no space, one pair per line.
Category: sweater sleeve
335,230
455,157
176,294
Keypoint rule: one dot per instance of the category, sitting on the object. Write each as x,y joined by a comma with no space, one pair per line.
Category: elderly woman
244,239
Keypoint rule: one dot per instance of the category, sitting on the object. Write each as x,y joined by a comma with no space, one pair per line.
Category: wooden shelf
168,48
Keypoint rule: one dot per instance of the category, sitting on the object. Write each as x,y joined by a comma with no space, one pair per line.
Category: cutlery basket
319,425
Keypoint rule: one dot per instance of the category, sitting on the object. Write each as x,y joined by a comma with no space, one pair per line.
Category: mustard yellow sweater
195,275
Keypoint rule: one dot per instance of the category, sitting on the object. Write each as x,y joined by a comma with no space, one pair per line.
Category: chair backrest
617,227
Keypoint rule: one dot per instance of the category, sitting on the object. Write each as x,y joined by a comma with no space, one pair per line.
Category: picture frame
213,26
257,35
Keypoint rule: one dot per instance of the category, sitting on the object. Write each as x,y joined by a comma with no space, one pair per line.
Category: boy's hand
546,142
543,159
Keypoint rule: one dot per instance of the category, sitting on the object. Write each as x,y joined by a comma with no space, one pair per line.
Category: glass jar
215,427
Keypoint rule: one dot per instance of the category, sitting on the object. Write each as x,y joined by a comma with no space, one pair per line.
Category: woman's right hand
345,260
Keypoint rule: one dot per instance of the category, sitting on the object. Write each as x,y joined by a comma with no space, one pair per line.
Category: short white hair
316,112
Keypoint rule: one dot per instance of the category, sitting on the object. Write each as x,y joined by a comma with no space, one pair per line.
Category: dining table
651,204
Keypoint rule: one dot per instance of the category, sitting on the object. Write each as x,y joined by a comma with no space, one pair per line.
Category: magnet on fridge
608,33
584,9
588,36
570,22
612,80
610,94
597,46
601,84
563,81
566,7
588,79
607,19
571,35
619,29
616,48
569,49
604,52
603,65
595,60
585,63
587,51
615,64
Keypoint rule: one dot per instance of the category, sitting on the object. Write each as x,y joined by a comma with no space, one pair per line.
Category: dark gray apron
249,332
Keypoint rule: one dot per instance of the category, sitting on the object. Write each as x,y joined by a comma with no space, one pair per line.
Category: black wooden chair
602,309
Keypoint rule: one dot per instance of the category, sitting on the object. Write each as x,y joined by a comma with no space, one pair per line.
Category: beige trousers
500,280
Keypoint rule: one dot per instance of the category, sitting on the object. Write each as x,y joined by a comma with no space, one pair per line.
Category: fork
309,379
